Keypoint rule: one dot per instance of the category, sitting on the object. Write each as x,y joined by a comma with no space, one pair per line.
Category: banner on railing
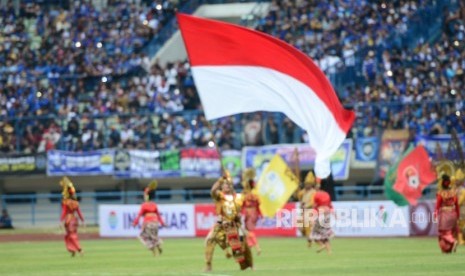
422,221
205,219
443,140
366,149
146,164
116,220
200,162
393,144
232,161
22,163
370,219
259,157
86,163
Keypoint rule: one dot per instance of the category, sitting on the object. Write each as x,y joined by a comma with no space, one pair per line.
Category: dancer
70,207
227,232
306,199
447,212
152,220
321,231
250,208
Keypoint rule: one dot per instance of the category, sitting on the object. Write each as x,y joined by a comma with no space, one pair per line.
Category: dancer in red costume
250,208
152,221
69,220
447,212
321,231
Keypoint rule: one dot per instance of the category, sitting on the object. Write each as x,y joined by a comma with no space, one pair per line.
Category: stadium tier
137,135
79,80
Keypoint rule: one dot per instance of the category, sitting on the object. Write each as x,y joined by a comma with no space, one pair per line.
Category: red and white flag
239,70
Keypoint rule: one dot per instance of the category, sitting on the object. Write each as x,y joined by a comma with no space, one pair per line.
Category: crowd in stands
420,88
331,32
72,75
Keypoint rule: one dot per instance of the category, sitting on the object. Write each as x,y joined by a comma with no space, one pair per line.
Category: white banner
370,219
116,220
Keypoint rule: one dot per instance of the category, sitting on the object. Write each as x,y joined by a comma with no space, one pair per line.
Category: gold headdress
445,170
450,166
248,177
68,188
227,176
310,179
151,187
449,171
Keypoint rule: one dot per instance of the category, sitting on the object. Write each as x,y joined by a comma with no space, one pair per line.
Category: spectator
76,63
5,220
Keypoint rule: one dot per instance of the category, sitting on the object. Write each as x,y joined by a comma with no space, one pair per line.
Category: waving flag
239,70
414,174
276,185
390,180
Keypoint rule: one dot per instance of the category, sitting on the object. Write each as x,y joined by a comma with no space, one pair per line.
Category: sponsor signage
422,221
116,220
370,219
205,219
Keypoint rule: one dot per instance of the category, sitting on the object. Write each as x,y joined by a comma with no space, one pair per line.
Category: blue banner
441,140
259,157
146,164
99,162
366,149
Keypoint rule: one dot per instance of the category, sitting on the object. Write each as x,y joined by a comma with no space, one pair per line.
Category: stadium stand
77,78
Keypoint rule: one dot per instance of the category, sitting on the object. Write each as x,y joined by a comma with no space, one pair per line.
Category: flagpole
213,139
297,164
296,168
223,170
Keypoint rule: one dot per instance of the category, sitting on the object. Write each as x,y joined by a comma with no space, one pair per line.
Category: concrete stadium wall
174,49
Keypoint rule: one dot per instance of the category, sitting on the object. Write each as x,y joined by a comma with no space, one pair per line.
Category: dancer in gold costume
227,232
306,199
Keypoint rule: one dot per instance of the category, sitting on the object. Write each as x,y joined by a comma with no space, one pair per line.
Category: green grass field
281,256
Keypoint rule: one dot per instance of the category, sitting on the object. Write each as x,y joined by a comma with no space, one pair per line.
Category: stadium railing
44,209
346,193
35,210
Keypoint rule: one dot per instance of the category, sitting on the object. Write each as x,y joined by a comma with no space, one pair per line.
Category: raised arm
215,188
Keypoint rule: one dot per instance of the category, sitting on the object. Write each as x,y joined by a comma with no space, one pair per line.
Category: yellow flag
276,184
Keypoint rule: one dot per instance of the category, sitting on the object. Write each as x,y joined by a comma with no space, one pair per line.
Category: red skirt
447,228
71,237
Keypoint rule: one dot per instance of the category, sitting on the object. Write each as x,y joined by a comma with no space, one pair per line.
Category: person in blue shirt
5,220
